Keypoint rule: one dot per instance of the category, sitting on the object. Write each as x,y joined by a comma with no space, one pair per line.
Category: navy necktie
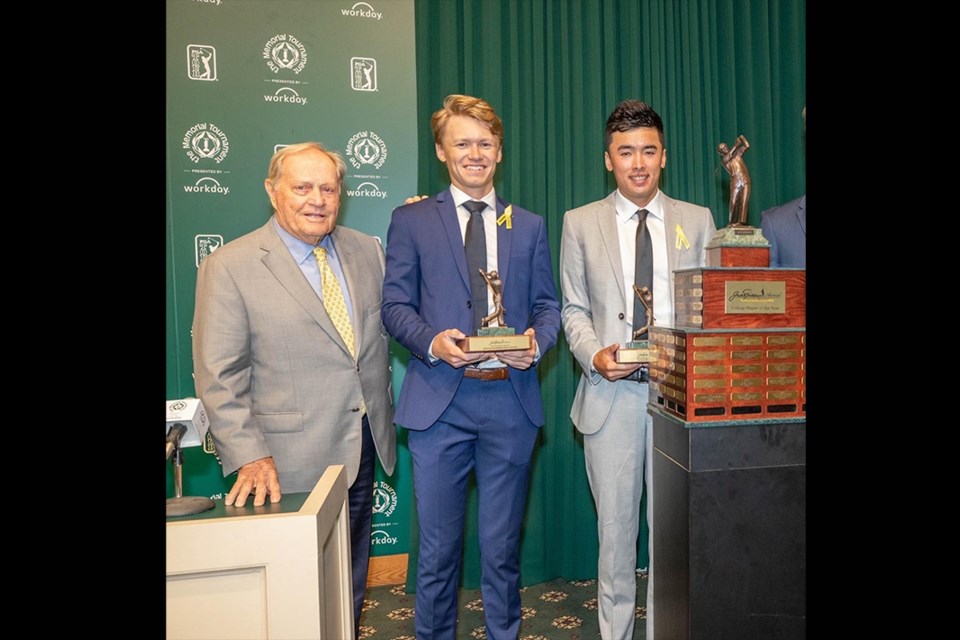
475,245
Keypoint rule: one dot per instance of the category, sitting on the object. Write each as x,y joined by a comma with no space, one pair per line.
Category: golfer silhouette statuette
732,160
498,337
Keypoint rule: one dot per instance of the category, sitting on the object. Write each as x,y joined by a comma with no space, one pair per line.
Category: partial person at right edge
785,228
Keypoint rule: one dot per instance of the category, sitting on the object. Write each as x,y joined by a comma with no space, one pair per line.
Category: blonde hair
461,105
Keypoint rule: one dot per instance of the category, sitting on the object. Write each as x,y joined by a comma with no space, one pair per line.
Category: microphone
190,414
173,437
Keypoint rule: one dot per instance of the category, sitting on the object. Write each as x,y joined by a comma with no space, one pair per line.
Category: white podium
279,571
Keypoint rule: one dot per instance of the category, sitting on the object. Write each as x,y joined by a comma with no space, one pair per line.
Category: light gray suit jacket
271,369
594,300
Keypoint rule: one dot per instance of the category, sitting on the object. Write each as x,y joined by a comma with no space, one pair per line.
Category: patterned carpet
554,610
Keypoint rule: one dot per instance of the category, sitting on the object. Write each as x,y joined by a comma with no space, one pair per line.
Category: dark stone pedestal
730,543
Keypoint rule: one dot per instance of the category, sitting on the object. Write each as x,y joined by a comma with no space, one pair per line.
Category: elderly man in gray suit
635,236
290,356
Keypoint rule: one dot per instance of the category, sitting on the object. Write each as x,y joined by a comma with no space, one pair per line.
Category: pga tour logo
366,148
363,74
205,244
284,51
205,141
384,499
201,62
362,10
206,185
286,95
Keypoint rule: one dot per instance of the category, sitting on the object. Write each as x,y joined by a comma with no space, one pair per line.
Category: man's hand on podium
259,475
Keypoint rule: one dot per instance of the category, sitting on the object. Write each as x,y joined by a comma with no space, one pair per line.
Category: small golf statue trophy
499,337
639,350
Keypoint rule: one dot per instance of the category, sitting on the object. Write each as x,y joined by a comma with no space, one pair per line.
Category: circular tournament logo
205,141
384,498
366,148
179,405
284,51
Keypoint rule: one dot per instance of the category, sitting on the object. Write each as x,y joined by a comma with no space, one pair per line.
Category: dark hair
632,114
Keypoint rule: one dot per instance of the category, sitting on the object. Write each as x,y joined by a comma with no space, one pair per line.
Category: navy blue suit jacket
426,290
785,227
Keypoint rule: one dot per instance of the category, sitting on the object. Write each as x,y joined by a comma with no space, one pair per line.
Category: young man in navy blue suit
468,411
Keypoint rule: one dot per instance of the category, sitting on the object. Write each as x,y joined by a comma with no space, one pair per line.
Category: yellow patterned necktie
336,306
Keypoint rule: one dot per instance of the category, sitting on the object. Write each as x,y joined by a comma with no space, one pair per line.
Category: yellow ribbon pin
507,217
682,238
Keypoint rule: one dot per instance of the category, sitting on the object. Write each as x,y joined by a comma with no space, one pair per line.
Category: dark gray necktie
475,245
643,269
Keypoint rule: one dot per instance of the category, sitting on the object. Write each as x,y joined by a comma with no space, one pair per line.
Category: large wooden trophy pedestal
728,398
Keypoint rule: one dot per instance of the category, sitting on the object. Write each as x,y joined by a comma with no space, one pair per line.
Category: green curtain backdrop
554,69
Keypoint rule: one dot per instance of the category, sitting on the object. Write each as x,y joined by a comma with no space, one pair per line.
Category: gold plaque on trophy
497,338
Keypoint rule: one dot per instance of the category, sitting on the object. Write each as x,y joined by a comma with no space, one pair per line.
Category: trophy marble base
495,339
636,351
738,247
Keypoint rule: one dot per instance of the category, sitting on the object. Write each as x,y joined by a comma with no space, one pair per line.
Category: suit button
355,409
620,316
358,367
469,305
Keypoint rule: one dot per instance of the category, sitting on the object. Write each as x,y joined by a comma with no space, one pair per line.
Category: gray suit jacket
594,302
271,369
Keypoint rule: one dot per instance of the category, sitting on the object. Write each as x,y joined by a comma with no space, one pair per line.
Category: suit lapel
278,260
607,230
349,263
671,218
447,211
802,215
504,240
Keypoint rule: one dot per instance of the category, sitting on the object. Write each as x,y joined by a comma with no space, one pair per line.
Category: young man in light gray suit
597,264
289,389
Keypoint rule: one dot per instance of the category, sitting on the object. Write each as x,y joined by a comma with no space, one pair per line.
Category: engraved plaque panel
755,296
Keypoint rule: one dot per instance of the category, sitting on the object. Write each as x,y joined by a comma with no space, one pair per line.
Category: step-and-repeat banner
245,77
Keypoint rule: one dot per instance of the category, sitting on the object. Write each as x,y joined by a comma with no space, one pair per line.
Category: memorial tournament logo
362,10
286,95
366,148
363,74
178,405
205,141
384,498
284,51
201,62
367,190
205,244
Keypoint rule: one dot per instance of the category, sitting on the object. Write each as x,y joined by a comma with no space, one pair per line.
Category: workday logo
206,185
201,62
384,498
284,51
380,537
366,147
205,141
204,245
367,190
362,10
363,74
286,95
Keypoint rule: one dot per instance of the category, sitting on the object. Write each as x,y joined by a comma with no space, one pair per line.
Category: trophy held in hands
639,350
499,337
